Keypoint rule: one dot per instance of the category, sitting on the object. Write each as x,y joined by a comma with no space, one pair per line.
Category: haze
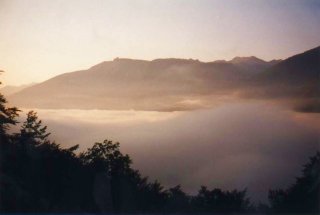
253,145
188,87
41,39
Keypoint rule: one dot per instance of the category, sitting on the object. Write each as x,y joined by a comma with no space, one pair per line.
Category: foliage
32,130
7,116
304,195
218,201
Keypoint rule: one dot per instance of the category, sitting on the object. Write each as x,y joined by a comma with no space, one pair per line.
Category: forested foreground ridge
38,175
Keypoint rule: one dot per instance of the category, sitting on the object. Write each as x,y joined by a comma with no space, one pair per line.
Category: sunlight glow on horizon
41,39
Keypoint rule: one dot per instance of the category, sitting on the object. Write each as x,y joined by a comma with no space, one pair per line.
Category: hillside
9,90
296,80
253,64
175,84
161,84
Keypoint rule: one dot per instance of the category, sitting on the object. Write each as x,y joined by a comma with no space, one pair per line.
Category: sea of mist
252,145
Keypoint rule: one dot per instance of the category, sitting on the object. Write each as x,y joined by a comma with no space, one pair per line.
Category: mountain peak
127,60
174,61
251,60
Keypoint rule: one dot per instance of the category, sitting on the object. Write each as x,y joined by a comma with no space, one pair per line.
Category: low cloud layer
256,146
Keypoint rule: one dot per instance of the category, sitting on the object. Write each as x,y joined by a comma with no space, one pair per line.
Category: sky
40,39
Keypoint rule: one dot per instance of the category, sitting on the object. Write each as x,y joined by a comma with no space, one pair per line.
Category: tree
219,201
124,188
32,131
8,116
304,195
178,201
107,162
36,175
106,156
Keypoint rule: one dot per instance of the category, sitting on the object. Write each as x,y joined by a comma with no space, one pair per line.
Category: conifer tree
8,116
32,130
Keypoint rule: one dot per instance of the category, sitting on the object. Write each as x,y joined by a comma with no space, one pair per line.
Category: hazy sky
40,39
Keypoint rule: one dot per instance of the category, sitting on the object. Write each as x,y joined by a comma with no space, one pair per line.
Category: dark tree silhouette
32,130
8,116
178,201
110,169
219,201
124,188
7,152
304,195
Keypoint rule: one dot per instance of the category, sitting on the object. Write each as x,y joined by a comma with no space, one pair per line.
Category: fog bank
241,145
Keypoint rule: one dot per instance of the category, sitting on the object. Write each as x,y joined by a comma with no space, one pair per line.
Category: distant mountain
9,90
175,84
296,79
296,69
297,76
161,84
253,64
250,64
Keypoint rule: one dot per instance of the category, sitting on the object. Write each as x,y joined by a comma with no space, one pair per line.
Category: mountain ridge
164,84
